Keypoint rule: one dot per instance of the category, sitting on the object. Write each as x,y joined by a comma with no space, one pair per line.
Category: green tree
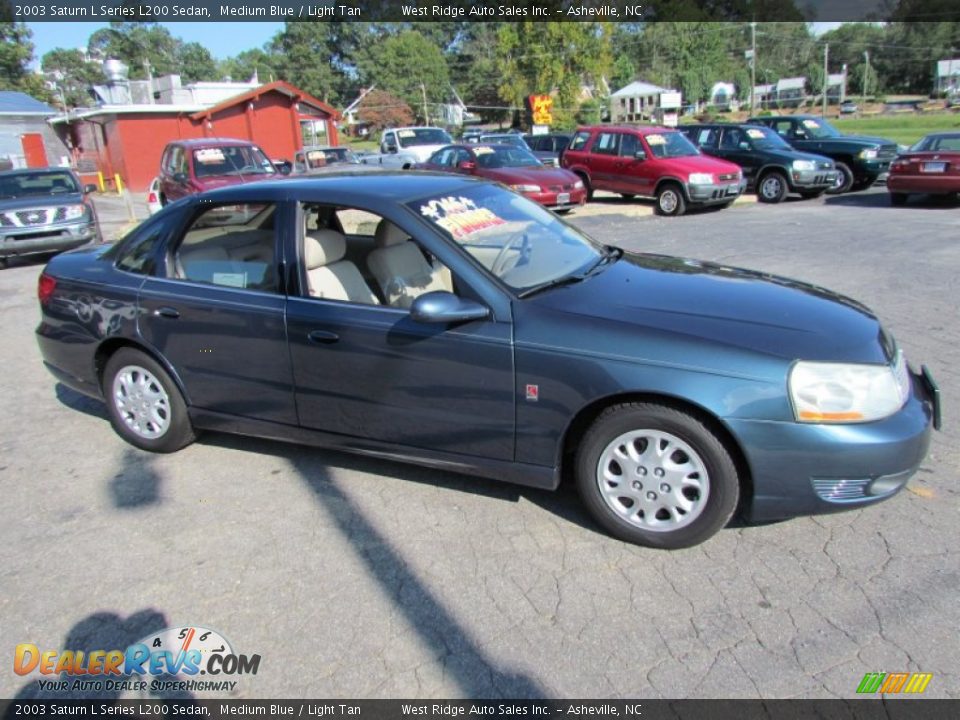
407,65
16,54
247,63
143,46
195,63
474,73
847,46
73,75
306,54
381,110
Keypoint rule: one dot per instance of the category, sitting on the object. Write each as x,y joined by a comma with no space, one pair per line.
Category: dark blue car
450,322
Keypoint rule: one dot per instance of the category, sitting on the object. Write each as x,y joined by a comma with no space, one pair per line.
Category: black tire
844,182
772,187
898,199
696,448
670,200
163,200
586,185
161,424
4,262
812,194
628,196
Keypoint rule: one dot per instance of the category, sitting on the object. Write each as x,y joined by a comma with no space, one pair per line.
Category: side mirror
467,165
441,306
87,189
640,155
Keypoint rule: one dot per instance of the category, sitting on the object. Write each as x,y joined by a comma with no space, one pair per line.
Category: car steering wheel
500,262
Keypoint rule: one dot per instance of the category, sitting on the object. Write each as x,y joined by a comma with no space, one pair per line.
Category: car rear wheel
898,199
772,187
656,476
844,180
145,406
670,200
586,185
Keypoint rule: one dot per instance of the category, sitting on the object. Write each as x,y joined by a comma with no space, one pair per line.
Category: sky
221,44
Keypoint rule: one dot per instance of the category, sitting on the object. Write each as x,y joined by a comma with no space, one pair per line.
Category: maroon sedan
515,167
932,166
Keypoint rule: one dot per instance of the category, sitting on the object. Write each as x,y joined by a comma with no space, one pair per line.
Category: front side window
230,245
606,144
628,145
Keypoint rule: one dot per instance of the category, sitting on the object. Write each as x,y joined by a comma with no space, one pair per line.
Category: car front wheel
656,476
844,180
670,200
145,406
773,188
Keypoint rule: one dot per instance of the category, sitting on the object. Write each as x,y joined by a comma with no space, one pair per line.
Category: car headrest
323,247
389,234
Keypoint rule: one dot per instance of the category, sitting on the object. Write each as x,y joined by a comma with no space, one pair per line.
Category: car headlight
846,392
701,179
73,212
525,188
804,165
868,154
578,185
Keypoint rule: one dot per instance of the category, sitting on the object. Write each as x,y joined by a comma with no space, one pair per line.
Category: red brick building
127,140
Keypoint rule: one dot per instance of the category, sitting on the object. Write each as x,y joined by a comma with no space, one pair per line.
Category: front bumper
807,469
714,194
813,179
45,239
565,200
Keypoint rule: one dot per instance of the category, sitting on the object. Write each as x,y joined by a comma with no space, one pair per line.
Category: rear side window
606,144
140,256
231,245
704,137
579,140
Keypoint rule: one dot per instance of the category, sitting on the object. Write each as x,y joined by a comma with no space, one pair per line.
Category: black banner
476,10
914,709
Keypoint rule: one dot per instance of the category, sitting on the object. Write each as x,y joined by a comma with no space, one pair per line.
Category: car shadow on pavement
75,401
882,200
100,631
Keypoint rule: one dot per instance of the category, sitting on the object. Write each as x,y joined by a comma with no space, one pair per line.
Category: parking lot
354,577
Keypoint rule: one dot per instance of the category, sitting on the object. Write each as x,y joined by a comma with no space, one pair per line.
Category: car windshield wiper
610,255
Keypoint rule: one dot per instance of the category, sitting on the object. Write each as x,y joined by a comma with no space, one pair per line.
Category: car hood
654,298
25,203
857,139
700,163
538,175
788,155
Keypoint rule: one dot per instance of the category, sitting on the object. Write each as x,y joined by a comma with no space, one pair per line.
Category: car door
215,310
370,371
605,164
735,147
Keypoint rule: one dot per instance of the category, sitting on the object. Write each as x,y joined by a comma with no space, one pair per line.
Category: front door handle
167,312
322,337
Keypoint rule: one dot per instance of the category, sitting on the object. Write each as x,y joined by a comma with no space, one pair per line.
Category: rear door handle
322,337
167,312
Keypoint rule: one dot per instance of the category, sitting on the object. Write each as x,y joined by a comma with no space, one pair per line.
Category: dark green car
860,159
771,166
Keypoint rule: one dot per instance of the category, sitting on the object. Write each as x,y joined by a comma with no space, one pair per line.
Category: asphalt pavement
364,578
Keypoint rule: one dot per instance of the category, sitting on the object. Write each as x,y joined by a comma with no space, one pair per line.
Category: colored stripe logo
890,683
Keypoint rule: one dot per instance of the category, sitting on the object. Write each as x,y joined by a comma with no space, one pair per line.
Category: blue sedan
450,322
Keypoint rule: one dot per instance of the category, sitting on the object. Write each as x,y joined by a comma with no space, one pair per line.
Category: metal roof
18,103
638,87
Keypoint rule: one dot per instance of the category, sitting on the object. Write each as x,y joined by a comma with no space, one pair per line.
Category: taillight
45,288
152,197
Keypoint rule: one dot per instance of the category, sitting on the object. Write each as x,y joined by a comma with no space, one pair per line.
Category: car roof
210,142
395,185
641,129
36,171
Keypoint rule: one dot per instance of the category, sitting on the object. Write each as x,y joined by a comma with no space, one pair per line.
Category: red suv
654,162
192,166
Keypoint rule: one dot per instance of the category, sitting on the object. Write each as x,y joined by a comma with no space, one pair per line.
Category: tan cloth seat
401,270
329,275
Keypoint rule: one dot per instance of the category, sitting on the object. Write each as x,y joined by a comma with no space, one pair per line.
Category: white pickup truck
406,146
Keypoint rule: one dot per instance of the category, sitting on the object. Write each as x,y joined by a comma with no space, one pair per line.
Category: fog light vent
841,490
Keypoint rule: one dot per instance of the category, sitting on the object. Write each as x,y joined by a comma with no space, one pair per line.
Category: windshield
231,160
670,145
518,241
423,136
33,184
504,156
765,138
819,128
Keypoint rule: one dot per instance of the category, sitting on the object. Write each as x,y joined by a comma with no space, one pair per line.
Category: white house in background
637,102
948,76
763,95
722,95
790,92
837,86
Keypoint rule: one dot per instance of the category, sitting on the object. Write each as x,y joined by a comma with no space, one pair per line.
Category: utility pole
866,69
753,66
426,117
826,79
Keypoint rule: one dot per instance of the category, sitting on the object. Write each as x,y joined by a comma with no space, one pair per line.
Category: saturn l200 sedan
448,321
